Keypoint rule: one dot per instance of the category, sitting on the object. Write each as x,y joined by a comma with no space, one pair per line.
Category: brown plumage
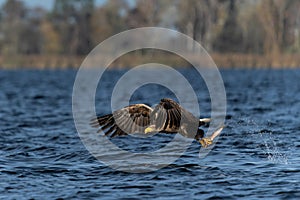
166,117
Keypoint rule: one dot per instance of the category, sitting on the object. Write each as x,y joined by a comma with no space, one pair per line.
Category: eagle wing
167,115
170,117
128,120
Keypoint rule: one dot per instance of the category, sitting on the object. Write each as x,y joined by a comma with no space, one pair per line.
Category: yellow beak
148,130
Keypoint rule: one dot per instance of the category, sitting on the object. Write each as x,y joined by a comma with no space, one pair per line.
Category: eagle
166,117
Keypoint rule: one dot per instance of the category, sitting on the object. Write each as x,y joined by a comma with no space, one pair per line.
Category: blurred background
60,33
256,157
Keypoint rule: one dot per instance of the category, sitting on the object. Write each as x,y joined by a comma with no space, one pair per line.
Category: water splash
274,154
267,140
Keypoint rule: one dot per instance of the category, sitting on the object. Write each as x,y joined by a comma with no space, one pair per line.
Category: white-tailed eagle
166,117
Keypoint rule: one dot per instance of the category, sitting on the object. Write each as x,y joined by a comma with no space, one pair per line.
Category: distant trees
12,25
197,19
74,27
277,18
72,21
230,37
108,20
51,39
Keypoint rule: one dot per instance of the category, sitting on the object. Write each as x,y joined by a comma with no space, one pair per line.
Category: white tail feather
205,120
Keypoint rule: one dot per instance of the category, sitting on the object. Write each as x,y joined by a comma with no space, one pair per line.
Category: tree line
75,27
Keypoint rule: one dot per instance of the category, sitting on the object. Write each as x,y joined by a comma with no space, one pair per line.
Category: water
257,155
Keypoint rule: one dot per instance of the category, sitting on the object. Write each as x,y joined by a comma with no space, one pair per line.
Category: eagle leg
205,142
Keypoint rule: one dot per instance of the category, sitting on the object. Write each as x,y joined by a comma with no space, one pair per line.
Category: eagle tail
204,121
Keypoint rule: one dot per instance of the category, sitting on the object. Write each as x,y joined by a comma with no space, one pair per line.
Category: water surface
257,155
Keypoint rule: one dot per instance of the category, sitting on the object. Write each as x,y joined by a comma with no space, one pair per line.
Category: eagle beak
149,130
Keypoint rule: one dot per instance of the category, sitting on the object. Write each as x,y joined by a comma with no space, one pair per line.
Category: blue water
256,157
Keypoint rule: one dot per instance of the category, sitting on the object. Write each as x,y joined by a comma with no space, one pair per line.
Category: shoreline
223,61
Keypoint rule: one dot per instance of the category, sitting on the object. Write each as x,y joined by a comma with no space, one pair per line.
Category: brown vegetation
232,60
236,33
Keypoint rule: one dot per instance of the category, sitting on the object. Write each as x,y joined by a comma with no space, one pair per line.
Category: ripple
256,157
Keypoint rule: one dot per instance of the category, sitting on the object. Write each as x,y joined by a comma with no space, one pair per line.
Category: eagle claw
205,142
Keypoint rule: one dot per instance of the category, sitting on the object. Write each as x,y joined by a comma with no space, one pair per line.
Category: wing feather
110,130
131,119
168,116
110,122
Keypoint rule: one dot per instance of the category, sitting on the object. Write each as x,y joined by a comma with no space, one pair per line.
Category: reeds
229,60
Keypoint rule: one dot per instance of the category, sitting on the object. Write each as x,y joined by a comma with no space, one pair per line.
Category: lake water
256,157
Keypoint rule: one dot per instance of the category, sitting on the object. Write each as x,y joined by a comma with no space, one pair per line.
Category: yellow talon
205,142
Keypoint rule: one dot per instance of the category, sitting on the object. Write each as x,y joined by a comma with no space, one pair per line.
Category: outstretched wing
167,115
130,119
